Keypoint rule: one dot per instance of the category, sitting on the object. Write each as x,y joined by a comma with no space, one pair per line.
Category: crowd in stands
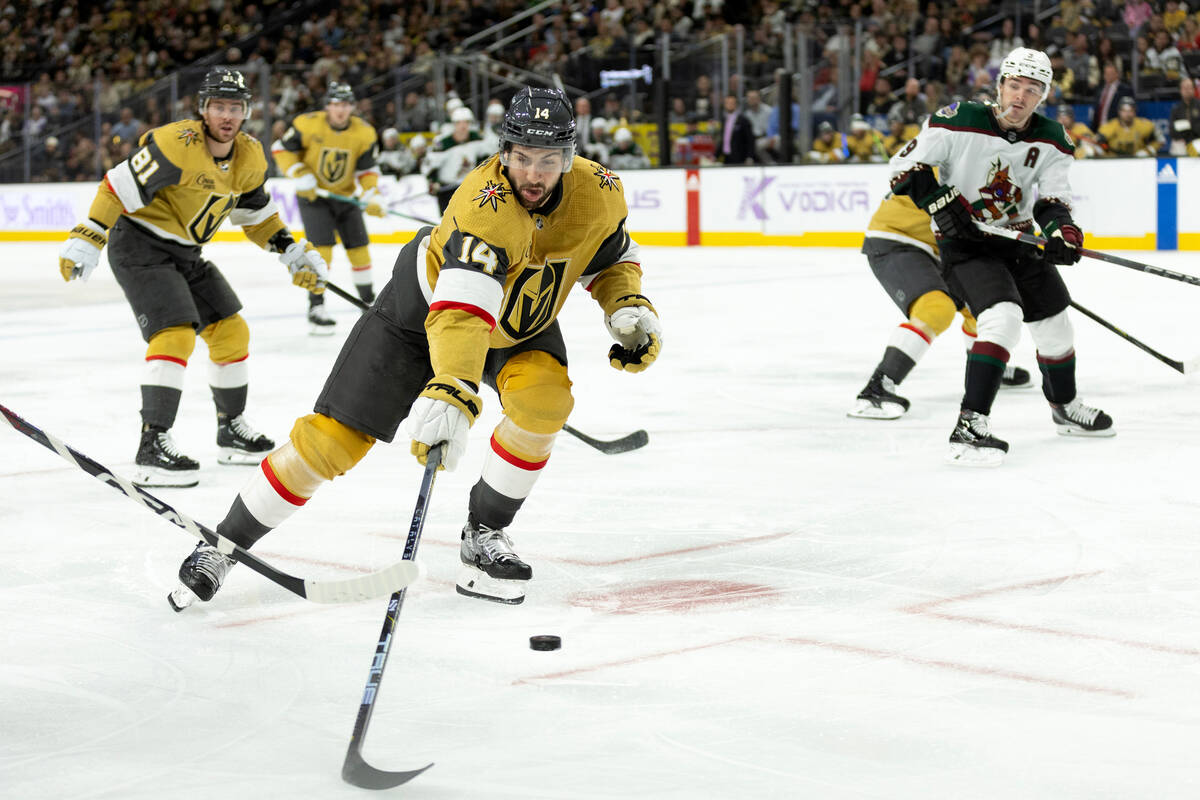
91,68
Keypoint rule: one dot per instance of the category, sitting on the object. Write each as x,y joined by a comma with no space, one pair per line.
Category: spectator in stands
955,74
598,142
127,126
695,147
416,114
583,122
1083,66
35,124
1164,57
899,134
928,47
1107,51
454,156
51,162
414,156
1129,134
625,153
1184,123
758,112
737,134
1109,95
1136,14
881,102
864,143
911,106
702,99
1004,43
1085,139
614,110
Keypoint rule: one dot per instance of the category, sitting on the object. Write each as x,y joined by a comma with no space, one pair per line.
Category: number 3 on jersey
143,165
478,252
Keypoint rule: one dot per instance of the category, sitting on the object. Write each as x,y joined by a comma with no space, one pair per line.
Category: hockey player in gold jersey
335,151
472,300
1129,134
155,211
902,252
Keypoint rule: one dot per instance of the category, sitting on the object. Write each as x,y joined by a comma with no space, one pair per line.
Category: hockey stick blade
633,441
355,770
365,587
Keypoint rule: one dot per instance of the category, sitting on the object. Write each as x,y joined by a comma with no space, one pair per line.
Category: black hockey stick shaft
349,298
362,588
355,769
354,201
1178,366
632,441
1150,269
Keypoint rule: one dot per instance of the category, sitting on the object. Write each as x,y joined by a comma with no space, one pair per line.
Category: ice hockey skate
239,443
201,574
491,570
319,321
160,463
972,443
878,400
366,292
1076,419
1015,378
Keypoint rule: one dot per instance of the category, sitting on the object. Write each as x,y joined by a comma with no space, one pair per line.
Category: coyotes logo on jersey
1000,197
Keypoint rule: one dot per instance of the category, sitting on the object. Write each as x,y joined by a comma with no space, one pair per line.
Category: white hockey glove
372,201
306,265
639,337
80,254
442,414
306,186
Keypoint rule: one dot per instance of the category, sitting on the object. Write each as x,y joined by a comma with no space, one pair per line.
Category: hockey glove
372,202
1063,241
306,186
952,213
80,254
306,265
443,414
639,337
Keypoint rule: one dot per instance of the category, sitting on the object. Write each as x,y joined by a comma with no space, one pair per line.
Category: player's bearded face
534,172
224,118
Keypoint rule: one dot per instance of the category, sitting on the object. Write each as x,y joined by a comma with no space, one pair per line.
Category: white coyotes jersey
1000,173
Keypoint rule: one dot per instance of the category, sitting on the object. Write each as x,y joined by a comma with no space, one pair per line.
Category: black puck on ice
545,642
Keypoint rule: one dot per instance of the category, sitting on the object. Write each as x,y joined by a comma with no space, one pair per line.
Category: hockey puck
545,642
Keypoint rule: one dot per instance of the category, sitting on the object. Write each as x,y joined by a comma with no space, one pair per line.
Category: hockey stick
349,298
365,587
355,770
633,441
354,201
1184,367
1029,238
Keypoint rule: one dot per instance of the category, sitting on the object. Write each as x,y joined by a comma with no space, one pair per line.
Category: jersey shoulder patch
181,143
1051,130
962,116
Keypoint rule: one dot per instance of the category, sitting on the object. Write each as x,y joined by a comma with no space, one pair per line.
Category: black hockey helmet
539,117
225,83
339,93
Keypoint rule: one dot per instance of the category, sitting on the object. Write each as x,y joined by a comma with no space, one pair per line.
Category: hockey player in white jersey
992,161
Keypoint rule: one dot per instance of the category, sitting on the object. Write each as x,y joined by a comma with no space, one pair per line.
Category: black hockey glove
952,213
1063,241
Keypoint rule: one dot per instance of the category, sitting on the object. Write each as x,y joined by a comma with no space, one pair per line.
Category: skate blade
231,455
1072,430
155,478
474,583
963,455
1025,385
321,330
865,409
181,598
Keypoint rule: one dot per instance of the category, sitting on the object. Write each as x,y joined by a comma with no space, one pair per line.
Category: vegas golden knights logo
333,164
205,224
532,299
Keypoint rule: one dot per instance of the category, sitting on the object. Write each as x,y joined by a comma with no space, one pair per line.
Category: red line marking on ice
583,562
633,660
972,619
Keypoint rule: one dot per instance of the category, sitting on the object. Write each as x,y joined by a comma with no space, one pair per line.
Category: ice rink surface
770,600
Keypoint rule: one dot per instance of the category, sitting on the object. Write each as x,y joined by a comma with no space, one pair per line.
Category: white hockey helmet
1024,62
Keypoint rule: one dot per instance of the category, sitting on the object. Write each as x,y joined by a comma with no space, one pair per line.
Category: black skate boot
1015,378
1076,419
160,463
202,574
878,400
492,570
239,443
972,443
319,321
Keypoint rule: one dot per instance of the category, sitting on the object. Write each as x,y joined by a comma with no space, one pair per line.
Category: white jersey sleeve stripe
470,290
123,183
